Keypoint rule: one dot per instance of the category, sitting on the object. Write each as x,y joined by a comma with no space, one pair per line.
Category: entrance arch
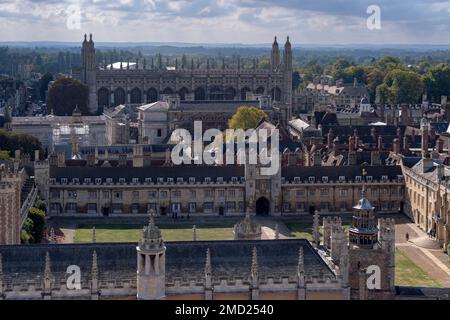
262,206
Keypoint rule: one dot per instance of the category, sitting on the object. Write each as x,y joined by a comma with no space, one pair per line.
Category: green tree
437,81
38,218
65,94
25,233
27,144
43,85
401,86
246,117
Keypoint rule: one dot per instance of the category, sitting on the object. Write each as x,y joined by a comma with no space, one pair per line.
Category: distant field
132,233
407,273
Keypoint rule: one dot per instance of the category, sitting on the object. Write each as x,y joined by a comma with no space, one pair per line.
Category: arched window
183,92
260,90
199,94
230,93
276,94
103,98
152,95
136,96
119,96
244,93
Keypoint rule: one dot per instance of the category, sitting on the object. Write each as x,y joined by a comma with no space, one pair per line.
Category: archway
262,206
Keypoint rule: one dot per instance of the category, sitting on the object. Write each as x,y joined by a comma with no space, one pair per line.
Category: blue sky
227,21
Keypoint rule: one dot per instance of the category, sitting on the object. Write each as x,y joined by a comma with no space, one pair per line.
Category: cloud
244,21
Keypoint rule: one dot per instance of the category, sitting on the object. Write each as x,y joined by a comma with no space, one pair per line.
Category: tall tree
246,117
65,94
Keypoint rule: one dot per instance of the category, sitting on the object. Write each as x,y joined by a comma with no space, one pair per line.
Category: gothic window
183,92
275,93
119,96
152,95
199,94
230,93
244,93
136,96
103,98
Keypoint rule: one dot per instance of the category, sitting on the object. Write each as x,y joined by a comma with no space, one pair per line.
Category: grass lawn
304,230
132,233
407,273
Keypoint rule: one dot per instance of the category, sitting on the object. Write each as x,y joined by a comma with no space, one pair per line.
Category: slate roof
184,260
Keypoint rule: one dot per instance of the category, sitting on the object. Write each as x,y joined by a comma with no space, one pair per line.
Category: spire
194,233
85,38
47,270
208,267
94,235
151,235
301,261
254,270
275,43
90,38
52,235
94,270
316,233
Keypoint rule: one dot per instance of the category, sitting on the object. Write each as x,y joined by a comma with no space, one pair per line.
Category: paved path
419,250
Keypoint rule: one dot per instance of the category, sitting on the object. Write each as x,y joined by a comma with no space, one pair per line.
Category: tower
425,130
151,270
88,72
286,108
275,56
363,233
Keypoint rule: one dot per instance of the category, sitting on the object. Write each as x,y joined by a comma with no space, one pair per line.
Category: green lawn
304,230
131,233
407,273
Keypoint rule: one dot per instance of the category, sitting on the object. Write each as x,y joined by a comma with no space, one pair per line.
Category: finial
94,235
85,37
94,271
254,262
47,271
52,235
208,267
90,37
301,261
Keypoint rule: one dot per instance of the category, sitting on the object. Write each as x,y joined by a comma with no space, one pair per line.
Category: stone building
86,188
17,194
142,82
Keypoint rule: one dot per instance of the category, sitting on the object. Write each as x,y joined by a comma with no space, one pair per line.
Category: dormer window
369,178
160,180
234,179
135,180
109,180
311,179
207,179
297,179
121,180
180,180
358,178
75,181
170,180
325,179
98,180
52,181
87,180
191,180
220,179
384,178
148,180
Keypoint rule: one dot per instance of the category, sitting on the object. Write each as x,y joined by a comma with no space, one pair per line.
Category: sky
228,21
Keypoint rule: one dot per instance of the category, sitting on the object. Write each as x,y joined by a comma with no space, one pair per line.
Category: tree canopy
65,94
246,117
27,144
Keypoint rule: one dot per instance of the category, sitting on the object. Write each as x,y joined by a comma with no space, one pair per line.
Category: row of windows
146,180
118,195
343,192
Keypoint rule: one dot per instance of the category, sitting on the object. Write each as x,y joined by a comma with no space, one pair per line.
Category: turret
275,56
151,271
